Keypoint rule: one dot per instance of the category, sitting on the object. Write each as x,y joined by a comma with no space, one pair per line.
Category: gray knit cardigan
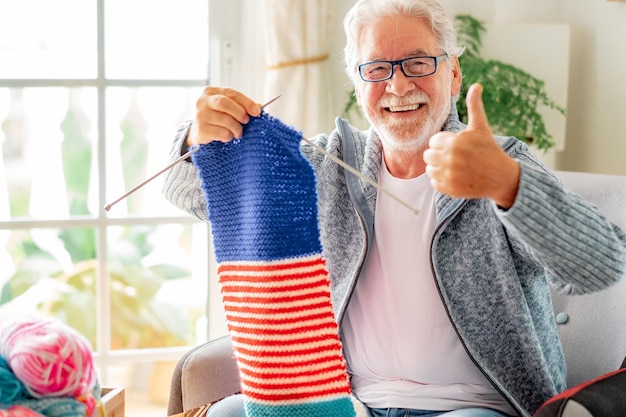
493,267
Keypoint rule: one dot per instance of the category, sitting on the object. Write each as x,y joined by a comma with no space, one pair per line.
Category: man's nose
399,84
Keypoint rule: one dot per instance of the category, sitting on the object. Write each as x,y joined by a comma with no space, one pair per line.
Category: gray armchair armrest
206,374
592,326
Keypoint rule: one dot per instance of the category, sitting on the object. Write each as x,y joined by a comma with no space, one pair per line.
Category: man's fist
220,114
470,163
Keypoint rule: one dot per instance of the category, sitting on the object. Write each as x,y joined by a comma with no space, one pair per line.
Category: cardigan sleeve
580,249
181,185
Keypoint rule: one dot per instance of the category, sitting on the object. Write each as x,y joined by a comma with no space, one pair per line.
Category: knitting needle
182,158
360,175
315,146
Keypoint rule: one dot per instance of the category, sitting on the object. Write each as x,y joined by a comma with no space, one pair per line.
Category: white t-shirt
398,340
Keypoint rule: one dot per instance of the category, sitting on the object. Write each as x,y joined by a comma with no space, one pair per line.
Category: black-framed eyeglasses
417,66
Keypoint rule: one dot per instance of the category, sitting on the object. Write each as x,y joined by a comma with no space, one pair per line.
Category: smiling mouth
410,107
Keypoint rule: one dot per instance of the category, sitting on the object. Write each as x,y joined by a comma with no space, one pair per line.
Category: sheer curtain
297,51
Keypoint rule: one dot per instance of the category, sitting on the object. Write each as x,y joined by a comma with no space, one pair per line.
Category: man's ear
357,95
457,77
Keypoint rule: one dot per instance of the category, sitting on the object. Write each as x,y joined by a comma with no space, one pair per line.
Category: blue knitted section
339,407
260,193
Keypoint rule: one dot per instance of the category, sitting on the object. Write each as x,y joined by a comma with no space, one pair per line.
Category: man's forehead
387,56
413,37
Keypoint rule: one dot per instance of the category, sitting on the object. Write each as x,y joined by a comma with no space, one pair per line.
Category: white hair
366,12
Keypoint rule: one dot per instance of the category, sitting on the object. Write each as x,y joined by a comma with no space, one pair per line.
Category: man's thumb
476,116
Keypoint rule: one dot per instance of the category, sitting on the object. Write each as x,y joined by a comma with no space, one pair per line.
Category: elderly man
447,312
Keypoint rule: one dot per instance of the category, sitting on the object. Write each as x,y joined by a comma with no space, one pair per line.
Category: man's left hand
470,163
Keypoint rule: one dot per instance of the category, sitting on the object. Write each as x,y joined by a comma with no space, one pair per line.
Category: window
91,93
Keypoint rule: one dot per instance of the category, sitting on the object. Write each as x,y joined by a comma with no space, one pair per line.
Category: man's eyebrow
416,52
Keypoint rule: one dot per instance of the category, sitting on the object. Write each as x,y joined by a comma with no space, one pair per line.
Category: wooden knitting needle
182,158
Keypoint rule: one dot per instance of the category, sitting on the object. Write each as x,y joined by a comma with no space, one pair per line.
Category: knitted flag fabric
262,204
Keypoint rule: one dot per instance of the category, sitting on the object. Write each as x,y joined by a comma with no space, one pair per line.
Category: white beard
405,138
396,139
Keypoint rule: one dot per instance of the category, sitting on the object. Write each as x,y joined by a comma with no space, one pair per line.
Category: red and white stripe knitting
282,327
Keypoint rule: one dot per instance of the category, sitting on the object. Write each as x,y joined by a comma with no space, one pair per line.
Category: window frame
223,37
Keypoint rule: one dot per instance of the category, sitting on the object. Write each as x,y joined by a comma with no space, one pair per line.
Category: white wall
596,124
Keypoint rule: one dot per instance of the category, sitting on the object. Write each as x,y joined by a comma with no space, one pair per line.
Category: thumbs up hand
469,163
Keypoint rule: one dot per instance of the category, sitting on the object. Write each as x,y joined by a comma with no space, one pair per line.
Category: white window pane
147,39
157,294
52,272
47,139
141,123
156,275
48,39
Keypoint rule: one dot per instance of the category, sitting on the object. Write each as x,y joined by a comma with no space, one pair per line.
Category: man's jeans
405,412
233,407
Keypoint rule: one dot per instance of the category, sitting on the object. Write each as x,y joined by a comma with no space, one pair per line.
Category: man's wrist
507,192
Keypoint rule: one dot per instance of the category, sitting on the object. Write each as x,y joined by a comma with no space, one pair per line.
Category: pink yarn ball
49,357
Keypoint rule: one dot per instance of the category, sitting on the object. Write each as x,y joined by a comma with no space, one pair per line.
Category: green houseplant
512,97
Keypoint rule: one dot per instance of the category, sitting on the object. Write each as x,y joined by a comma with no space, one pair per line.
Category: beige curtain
297,48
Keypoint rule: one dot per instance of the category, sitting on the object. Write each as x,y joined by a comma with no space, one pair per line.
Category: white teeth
404,108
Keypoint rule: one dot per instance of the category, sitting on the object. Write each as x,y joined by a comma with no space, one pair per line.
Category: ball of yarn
19,411
48,357
11,388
